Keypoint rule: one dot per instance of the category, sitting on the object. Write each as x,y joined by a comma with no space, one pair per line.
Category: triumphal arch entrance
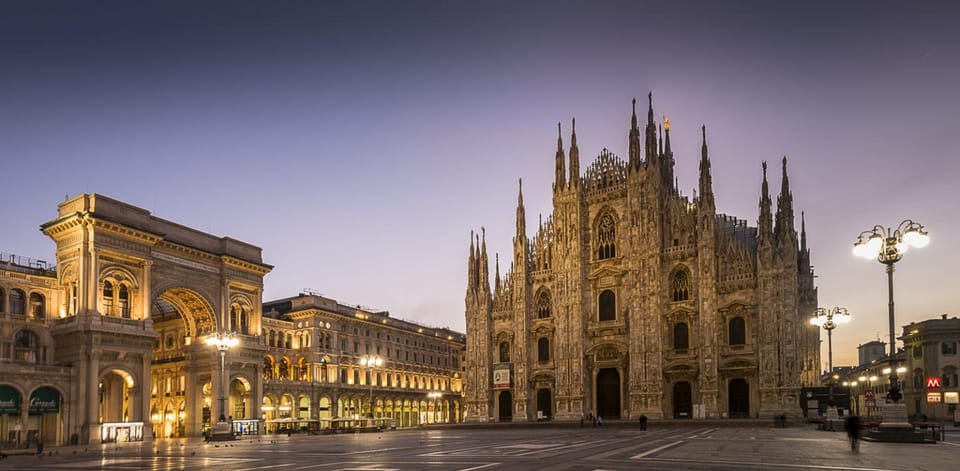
140,297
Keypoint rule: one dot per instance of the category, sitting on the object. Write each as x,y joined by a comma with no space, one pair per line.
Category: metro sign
933,382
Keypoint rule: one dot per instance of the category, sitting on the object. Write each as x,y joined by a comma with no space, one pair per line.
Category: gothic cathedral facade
632,299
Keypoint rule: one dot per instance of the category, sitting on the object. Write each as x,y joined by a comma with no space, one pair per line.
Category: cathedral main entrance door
682,401
506,406
738,394
608,393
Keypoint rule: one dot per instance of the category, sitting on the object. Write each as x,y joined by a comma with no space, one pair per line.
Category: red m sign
933,382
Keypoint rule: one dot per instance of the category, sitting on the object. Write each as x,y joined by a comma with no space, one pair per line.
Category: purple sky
358,143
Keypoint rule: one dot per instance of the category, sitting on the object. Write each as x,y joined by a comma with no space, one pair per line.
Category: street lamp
887,247
829,320
223,342
371,362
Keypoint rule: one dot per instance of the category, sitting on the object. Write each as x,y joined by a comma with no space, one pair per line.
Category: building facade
110,343
314,365
632,299
930,352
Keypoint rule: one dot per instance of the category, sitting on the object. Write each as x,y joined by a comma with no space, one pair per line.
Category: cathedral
632,299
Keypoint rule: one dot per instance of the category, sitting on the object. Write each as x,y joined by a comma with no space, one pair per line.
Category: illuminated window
26,346
37,306
107,298
123,301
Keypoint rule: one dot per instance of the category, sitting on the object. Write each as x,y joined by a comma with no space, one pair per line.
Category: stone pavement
695,447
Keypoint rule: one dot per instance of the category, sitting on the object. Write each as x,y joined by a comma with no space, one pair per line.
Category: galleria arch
139,295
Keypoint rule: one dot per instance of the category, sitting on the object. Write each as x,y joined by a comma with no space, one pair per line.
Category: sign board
501,377
933,398
871,403
933,382
9,400
43,400
952,397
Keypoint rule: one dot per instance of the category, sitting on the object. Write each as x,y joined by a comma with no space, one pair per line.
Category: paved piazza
515,448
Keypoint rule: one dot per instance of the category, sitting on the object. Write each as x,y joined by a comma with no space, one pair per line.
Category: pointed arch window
680,286
38,306
737,331
543,304
543,350
504,352
607,306
17,302
681,337
606,237
107,298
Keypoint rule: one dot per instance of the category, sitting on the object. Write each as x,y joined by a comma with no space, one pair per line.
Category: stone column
141,402
145,292
92,420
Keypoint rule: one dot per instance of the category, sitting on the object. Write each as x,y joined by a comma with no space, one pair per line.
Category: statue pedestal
832,419
895,427
222,431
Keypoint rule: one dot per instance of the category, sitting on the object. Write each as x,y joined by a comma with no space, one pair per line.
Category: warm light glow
846,383
873,378
371,361
862,378
916,238
902,369
853,383
886,371
222,341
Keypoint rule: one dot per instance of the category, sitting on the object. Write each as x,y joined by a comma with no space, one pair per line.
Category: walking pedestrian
852,426
599,421
643,422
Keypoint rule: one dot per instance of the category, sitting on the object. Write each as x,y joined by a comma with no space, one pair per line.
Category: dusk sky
358,143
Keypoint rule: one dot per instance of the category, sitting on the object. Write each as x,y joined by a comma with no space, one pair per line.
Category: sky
358,142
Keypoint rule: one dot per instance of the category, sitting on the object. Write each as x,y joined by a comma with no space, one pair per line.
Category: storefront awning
9,400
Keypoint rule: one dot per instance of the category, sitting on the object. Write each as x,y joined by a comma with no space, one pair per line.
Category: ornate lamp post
887,247
829,319
371,362
223,342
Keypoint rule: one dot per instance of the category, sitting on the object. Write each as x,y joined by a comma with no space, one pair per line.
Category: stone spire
784,219
706,181
521,214
484,265
561,178
574,157
803,233
472,266
651,133
496,278
634,139
765,224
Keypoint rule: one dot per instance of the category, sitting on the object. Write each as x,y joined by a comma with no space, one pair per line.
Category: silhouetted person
853,432
643,422
39,446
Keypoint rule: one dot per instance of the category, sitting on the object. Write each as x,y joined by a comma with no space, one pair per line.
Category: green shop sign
45,399
9,400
